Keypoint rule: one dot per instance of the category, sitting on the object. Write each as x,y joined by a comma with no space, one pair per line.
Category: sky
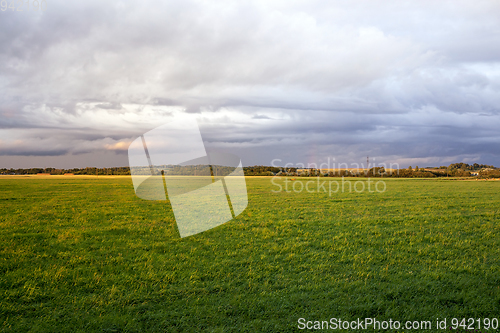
275,82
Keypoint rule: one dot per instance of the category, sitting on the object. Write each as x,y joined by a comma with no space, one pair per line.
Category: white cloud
87,76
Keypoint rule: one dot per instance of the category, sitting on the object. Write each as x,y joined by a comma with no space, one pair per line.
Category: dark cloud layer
406,82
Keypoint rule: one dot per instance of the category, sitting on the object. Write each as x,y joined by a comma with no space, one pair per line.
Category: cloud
399,80
261,116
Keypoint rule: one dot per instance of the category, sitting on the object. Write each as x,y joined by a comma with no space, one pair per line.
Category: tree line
76,171
453,170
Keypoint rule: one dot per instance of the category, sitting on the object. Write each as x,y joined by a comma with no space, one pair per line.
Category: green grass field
84,254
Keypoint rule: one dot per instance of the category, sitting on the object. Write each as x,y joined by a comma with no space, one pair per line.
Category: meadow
84,254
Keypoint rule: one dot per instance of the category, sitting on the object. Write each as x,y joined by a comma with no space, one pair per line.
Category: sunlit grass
85,254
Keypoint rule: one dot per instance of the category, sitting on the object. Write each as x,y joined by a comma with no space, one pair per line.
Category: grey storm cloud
405,81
